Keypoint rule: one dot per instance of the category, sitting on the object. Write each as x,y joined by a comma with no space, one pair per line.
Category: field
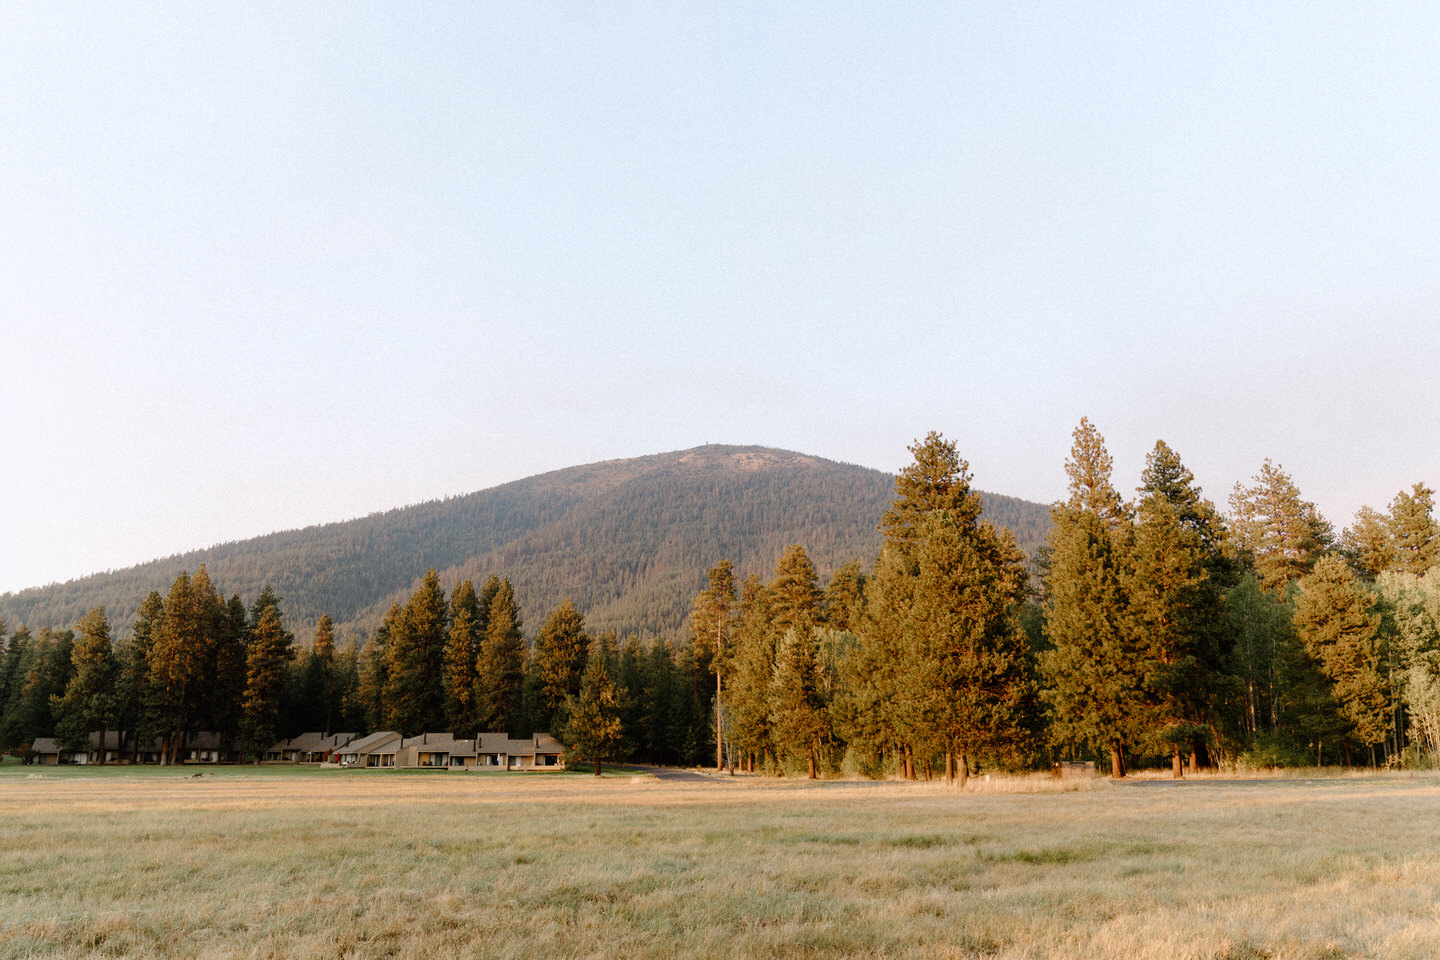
267,863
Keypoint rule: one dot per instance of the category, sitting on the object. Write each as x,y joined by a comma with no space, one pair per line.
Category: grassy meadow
307,863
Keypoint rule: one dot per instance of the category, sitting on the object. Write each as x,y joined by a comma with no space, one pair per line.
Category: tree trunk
964,769
719,732
1177,769
950,763
812,761
1117,763
1349,759
929,774
907,761
597,767
102,745
165,750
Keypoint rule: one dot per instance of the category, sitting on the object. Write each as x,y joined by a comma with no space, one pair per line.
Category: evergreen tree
318,682
461,650
941,641
1334,622
794,592
135,672
1175,606
752,664
1093,677
845,596
798,721
593,731
415,656
374,673
1414,534
178,660
500,667
559,663
1368,545
662,740
41,674
89,702
711,622
630,680
937,479
1281,534
228,669
271,649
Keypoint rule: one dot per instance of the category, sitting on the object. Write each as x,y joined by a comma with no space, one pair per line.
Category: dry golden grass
245,864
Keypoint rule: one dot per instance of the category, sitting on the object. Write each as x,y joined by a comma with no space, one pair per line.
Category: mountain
628,541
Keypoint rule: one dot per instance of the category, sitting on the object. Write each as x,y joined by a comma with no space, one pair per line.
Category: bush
1268,754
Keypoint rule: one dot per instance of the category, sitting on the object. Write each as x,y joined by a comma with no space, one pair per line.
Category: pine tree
1281,534
318,681
271,648
947,663
89,702
751,663
798,720
178,659
229,668
1334,622
561,649
1175,606
711,623
794,592
1368,543
1414,534
461,649
135,673
374,673
662,738
415,656
500,667
844,604
593,731
1093,677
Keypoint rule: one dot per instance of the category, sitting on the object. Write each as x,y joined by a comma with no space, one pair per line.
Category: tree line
196,661
1153,629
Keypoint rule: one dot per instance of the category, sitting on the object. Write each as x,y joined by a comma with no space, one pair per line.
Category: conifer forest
1145,629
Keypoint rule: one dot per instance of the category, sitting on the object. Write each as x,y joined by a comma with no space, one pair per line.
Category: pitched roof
44,745
377,740
502,743
440,743
315,742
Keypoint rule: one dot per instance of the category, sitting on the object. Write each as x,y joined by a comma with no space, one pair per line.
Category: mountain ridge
628,540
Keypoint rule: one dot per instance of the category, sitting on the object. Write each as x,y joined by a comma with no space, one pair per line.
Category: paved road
675,776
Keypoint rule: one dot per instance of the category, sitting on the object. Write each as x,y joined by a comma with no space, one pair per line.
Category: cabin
308,748
203,746
376,750
497,751
434,751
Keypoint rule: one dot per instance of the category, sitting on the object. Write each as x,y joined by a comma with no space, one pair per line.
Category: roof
112,740
315,742
440,743
44,745
374,742
528,747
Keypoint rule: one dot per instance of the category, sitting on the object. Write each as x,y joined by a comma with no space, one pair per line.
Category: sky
265,266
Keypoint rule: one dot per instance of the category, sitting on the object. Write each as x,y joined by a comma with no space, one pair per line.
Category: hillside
628,540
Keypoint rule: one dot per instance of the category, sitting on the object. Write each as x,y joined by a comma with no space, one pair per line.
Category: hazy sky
262,267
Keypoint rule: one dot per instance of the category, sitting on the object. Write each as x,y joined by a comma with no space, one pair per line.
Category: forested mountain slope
628,541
